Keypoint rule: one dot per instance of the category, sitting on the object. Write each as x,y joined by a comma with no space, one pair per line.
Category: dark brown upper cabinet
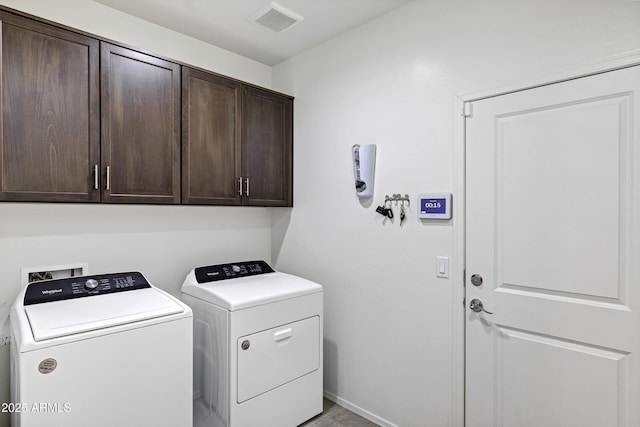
236,141
210,139
267,148
85,120
140,127
50,139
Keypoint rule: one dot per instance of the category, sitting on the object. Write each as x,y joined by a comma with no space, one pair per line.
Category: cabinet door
267,148
49,144
210,139
140,127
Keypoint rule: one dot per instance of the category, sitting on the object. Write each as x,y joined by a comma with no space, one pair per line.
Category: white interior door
553,229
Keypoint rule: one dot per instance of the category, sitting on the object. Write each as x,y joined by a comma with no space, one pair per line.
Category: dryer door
276,356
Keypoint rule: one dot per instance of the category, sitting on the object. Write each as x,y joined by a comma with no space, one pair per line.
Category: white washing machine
105,350
257,346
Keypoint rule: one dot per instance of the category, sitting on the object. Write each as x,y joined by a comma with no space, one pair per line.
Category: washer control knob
91,284
235,268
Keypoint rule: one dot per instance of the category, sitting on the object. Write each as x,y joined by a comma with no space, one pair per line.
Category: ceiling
226,23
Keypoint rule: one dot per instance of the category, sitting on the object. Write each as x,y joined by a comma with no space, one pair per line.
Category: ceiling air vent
275,17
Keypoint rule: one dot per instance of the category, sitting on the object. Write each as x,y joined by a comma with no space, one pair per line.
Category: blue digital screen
433,206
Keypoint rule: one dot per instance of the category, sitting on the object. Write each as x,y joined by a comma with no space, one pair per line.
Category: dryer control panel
235,270
83,286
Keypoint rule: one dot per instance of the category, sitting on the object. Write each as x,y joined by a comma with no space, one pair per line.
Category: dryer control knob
91,284
236,268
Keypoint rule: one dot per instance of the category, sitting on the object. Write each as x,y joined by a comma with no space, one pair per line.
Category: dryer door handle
283,334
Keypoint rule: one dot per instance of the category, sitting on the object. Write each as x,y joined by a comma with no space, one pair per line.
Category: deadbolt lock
476,280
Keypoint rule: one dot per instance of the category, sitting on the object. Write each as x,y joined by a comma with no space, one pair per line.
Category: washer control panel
234,270
84,286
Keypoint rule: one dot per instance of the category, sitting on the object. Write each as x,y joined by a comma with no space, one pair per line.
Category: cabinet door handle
108,177
96,177
240,186
247,183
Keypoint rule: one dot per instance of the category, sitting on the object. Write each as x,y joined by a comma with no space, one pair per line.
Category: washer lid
245,292
73,316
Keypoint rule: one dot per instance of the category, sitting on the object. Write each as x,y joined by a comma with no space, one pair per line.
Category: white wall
164,242
391,326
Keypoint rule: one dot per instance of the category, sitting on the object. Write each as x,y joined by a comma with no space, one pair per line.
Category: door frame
615,62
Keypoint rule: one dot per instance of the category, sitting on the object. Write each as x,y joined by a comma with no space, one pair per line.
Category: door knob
476,305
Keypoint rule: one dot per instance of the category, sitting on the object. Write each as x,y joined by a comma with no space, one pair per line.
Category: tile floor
334,415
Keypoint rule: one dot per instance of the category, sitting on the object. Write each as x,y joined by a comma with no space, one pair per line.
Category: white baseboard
358,410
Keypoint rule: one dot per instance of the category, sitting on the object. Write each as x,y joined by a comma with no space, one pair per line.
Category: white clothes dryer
105,350
257,346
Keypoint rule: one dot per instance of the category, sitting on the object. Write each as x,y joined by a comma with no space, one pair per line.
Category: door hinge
467,109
